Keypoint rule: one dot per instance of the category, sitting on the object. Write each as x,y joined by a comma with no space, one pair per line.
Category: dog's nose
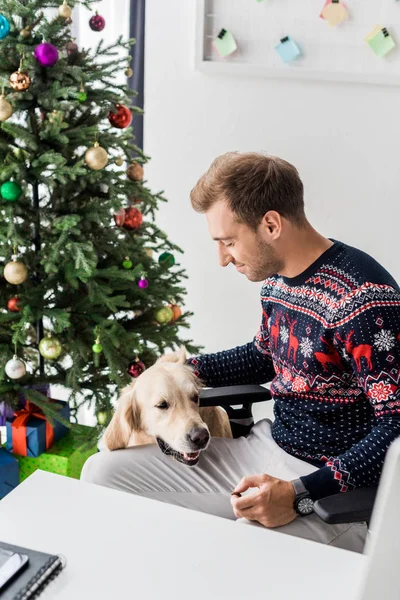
199,437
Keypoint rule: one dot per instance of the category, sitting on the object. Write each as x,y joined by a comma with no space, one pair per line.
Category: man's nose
224,257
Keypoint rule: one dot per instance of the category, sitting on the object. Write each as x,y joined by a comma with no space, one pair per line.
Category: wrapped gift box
65,457
30,434
9,473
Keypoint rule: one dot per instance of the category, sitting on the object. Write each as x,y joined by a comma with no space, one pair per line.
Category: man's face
249,251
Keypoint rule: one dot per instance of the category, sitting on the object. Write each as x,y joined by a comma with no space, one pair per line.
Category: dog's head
162,403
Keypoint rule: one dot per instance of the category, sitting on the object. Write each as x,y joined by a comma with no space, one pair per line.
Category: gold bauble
64,10
20,81
15,272
6,110
119,161
96,158
25,32
135,172
149,252
128,72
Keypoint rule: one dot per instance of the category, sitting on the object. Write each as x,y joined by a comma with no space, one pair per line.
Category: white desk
121,546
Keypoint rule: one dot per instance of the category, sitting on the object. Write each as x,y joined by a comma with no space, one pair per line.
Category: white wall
343,139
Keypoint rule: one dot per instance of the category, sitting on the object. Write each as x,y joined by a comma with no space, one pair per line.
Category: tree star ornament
97,22
135,172
15,272
96,157
15,368
46,54
120,117
64,10
50,347
6,109
4,27
11,191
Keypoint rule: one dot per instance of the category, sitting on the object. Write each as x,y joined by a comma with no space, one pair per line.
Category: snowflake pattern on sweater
329,341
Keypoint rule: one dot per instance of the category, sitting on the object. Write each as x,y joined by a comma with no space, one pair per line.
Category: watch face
305,506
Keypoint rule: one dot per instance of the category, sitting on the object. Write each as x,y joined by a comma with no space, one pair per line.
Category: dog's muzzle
190,458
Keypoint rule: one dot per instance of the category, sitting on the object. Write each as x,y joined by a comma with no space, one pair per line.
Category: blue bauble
4,27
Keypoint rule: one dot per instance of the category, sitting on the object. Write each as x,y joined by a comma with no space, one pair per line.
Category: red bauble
176,311
97,23
13,304
133,218
136,368
119,218
120,117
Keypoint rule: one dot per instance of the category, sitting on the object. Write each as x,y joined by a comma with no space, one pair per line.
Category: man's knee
99,468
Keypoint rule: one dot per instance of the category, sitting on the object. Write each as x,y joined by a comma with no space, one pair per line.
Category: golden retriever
162,406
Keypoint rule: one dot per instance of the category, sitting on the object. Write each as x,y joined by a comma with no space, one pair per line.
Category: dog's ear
177,357
125,420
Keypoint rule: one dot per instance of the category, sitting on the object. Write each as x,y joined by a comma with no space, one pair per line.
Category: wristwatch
303,503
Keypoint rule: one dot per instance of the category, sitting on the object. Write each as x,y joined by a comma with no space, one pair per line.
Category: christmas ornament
97,22
176,312
136,368
164,315
15,368
6,110
102,417
25,32
15,272
128,72
11,191
46,54
20,81
13,304
50,347
120,117
4,27
127,264
82,95
149,252
71,48
133,218
96,157
166,259
135,172
119,161
97,347
119,217
143,283
64,10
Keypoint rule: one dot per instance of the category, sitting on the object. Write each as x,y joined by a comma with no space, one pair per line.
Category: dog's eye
163,405
195,399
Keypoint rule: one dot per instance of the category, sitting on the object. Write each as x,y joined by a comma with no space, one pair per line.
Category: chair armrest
348,507
234,394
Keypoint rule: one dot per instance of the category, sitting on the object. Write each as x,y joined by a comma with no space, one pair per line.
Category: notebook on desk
24,573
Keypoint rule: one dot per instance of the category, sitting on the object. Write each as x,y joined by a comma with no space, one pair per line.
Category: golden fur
138,420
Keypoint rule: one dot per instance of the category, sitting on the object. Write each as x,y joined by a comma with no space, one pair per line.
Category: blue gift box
36,432
9,473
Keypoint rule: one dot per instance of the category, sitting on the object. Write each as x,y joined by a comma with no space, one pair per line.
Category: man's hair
252,184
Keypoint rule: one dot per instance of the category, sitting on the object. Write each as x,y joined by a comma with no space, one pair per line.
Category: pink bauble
143,283
46,54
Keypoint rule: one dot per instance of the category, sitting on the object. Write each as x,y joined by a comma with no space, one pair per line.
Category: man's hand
271,505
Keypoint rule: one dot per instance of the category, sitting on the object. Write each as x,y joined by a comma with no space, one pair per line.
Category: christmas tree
89,289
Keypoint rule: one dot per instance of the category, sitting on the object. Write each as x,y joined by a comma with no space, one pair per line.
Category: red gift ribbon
19,428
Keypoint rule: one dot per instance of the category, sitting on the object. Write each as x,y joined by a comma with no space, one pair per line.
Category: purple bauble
143,283
97,23
46,54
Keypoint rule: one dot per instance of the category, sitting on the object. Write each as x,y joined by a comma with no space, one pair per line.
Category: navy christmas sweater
329,342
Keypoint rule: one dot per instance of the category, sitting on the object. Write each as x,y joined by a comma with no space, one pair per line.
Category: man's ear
125,420
176,357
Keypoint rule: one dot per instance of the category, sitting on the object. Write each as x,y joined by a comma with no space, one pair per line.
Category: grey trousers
207,487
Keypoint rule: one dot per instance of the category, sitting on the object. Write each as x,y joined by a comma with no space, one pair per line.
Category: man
328,341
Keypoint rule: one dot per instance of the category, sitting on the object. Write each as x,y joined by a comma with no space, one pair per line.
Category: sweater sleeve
370,345
250,363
